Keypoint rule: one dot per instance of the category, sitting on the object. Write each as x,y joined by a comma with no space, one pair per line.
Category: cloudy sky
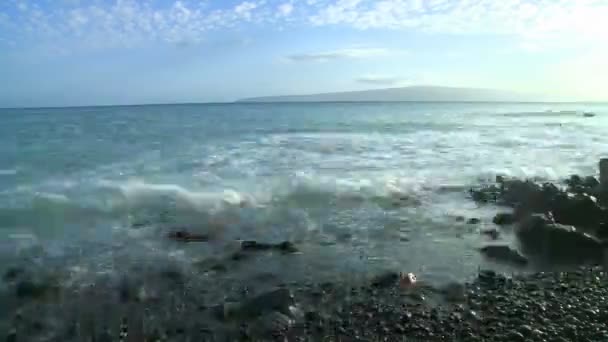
79,52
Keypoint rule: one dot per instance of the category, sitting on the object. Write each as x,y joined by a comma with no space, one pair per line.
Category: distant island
412,93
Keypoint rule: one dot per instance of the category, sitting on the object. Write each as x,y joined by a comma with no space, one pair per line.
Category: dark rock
219,268
287,247
504,254
580,210
588,114
590,182
278,300
502,219
274,324
538,236
385,280
487,275
491,233
459,218
35,289
603,166
239,256
185,236
13,273
473,220
173,275
11,336
255,246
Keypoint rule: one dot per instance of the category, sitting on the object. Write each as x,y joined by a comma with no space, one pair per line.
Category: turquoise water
358,187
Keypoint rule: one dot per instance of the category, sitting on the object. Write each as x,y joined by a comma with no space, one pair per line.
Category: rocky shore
563,225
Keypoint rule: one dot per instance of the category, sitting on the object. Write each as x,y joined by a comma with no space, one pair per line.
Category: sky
97,52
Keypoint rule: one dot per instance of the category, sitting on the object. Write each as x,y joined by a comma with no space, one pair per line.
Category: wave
139,201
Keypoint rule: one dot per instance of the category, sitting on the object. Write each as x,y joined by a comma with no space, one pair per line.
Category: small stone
515,336
525,330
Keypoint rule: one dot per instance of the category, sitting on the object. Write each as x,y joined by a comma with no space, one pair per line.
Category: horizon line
245,102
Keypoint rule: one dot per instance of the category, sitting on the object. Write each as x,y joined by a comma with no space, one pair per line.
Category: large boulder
579,210
538,236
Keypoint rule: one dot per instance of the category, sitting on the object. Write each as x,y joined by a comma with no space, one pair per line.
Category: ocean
359,188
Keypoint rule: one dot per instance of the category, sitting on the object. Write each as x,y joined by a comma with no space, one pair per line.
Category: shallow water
358,187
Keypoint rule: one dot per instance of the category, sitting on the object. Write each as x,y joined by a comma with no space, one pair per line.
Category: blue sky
77,52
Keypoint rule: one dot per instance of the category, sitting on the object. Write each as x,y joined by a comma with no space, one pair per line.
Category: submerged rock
279,300
36,289
385,280
285,246
185,236
13,273
504,254
473,220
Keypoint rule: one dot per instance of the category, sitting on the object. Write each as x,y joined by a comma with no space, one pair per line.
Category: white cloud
285,9
245,9
350,53
583,18
539,24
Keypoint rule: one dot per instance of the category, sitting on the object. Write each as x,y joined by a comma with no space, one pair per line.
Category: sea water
358,187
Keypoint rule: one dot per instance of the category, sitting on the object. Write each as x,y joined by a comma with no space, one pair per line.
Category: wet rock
185,236
603,166
219,267
285,246
502,219
579,210
279,300
539,236
13,273
504,254
385,280
491,233
173,275
473,220
36,289
274,324
255,246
